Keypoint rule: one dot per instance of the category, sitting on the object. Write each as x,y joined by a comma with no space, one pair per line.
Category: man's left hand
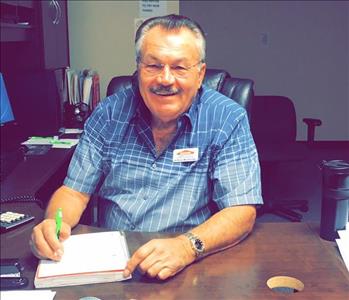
161,258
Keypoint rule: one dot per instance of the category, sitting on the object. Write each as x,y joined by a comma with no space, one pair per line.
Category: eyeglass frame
161,68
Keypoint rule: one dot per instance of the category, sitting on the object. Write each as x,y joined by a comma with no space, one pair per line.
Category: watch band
196,244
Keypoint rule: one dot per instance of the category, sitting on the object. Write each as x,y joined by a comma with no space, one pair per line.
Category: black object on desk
13,283
9,161
36,177
11,275
37,149
335,198
10,267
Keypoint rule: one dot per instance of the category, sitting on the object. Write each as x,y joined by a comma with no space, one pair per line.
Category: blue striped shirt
144,192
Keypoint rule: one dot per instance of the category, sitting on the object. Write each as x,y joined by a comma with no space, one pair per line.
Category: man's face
166,90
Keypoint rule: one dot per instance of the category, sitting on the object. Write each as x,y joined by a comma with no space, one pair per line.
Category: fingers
137,258
154,270
151,265
164,274
44,242
160,258
65,232
159,264
34,250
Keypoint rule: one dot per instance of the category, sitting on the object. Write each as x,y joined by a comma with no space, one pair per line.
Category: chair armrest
311,124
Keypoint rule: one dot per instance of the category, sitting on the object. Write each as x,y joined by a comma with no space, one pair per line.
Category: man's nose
166,77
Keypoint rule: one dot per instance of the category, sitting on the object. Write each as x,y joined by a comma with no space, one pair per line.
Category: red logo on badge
185,152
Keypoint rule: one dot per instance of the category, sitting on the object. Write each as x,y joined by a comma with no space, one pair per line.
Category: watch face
199,245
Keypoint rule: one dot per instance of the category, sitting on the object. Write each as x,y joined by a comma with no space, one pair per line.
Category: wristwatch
196,243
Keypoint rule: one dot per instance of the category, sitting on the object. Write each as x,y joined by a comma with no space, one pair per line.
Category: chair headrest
120,82
215,78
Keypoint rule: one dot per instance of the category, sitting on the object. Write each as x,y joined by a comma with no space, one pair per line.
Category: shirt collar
142,110
190,115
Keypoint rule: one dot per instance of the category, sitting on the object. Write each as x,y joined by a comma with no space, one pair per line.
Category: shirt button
133,227
153,166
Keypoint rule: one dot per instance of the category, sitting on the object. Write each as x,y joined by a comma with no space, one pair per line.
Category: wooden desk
292,249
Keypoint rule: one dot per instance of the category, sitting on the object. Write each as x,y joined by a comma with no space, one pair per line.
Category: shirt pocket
127,166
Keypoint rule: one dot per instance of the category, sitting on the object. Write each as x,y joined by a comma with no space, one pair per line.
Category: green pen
59,216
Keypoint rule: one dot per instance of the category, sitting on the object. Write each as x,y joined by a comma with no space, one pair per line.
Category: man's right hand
44,242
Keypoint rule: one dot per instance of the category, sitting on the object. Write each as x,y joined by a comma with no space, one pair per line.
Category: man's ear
202,74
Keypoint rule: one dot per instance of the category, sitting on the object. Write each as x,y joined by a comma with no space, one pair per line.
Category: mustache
164,90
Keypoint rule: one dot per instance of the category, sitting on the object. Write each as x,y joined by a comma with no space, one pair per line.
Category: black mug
335,198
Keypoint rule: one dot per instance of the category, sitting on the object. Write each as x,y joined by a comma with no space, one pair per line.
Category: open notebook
88,258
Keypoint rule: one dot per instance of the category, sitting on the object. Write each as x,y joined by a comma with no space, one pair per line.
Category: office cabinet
17,20
54,34
37,29
34,53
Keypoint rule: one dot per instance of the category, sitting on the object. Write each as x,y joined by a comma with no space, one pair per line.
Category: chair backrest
273,120
239,89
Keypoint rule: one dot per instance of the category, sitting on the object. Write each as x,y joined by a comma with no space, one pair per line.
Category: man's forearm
226,228
72,203
166,257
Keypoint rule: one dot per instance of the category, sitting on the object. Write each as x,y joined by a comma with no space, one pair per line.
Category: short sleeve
86,166
236,171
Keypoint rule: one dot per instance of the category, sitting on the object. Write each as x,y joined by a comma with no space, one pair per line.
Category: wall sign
152,8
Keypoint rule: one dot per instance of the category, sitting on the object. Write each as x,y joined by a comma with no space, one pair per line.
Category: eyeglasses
178,71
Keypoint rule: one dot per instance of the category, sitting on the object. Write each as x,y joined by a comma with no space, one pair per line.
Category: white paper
344,250
152,8
86,92
27,295
72,130
344,234
343,244
92,252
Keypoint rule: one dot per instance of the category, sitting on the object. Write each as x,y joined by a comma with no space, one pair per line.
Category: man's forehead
161,40
174,33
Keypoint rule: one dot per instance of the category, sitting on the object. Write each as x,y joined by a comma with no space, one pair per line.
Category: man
164,150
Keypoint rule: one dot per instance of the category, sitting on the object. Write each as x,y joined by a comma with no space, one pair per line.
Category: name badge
185,155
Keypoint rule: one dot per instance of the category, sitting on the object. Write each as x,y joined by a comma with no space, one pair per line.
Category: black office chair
274,128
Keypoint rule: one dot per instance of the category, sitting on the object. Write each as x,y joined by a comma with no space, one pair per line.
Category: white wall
306,57
101,36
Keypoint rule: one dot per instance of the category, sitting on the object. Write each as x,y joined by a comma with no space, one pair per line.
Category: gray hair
171,22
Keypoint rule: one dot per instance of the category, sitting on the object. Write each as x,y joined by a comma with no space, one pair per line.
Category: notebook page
92,252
